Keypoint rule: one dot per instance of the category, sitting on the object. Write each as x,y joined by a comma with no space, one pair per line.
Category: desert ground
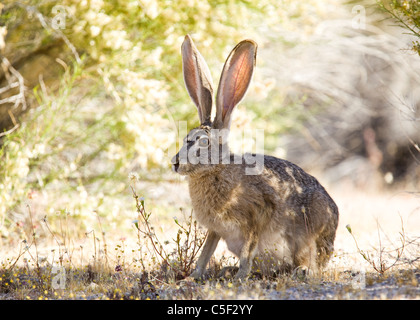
377,260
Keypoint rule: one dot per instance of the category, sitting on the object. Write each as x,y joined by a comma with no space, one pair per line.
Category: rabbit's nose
175,159
175,163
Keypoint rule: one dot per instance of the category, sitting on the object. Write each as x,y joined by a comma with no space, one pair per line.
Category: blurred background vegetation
407,14
92,90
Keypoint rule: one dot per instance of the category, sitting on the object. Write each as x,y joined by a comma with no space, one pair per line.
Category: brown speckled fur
280,219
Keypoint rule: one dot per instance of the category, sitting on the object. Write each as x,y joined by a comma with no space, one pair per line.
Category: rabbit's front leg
208,250
247,255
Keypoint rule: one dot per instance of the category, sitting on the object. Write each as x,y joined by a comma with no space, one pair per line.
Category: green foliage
52,155
407,14
116,109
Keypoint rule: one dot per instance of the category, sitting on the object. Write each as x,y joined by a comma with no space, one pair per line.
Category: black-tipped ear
197,79
234,81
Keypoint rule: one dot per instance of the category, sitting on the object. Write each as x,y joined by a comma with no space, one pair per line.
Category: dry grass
124,265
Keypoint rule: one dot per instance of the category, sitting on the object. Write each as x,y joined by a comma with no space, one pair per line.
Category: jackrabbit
277,217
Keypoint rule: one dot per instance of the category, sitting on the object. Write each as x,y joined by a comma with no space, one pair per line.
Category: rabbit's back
297,188
305,220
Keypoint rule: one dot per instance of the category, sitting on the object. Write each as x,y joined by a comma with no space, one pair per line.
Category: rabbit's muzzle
175,163
180,161
194,153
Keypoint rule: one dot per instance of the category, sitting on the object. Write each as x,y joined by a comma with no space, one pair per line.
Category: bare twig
157,246
381,266
189,240
5,133
46,25
21,253
36,260
103,239
18,98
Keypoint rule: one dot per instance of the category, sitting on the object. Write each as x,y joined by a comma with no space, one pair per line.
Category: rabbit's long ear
197,79
234,81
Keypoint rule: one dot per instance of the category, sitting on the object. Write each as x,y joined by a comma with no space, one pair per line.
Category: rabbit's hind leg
306,258
325,247
325,220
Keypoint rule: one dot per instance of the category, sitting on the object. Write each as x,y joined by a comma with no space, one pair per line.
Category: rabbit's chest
213,203
212,211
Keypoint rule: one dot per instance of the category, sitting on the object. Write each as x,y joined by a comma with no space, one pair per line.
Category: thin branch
20,97
5,133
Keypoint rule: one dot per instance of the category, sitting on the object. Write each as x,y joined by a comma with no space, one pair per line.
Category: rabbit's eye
203,142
